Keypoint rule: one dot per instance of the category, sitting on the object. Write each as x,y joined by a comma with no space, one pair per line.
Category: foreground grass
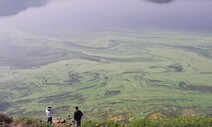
168,122
176,122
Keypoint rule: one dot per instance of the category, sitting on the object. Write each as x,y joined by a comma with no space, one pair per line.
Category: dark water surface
68,15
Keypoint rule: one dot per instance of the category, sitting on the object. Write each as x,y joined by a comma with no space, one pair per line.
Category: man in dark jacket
77,116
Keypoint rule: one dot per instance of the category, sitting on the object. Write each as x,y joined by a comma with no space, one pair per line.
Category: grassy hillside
23,121
118,75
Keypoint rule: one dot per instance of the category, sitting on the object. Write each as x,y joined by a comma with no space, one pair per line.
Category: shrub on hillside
5,119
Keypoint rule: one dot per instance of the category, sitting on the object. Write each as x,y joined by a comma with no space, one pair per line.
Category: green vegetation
177,122
25,119
165,122
115,75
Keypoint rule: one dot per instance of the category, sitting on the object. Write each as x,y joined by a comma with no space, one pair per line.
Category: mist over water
43,16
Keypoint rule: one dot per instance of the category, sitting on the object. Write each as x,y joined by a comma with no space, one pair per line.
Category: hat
49,107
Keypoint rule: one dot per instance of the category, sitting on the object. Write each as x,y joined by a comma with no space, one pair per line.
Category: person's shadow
13,7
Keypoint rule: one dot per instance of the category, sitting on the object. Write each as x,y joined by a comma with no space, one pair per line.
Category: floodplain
112,75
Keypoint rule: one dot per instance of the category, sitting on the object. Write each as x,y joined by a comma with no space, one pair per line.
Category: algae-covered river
115,59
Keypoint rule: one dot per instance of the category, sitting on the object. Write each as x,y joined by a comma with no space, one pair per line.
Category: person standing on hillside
49,114
77,116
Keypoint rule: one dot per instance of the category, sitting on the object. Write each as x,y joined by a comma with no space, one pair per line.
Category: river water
54,16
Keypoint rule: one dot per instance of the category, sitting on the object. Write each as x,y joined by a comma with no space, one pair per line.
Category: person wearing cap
77,116
49,114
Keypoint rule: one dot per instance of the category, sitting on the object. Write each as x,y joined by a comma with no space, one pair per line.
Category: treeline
23,121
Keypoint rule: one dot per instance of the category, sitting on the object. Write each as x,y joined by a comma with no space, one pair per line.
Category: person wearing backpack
77,116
